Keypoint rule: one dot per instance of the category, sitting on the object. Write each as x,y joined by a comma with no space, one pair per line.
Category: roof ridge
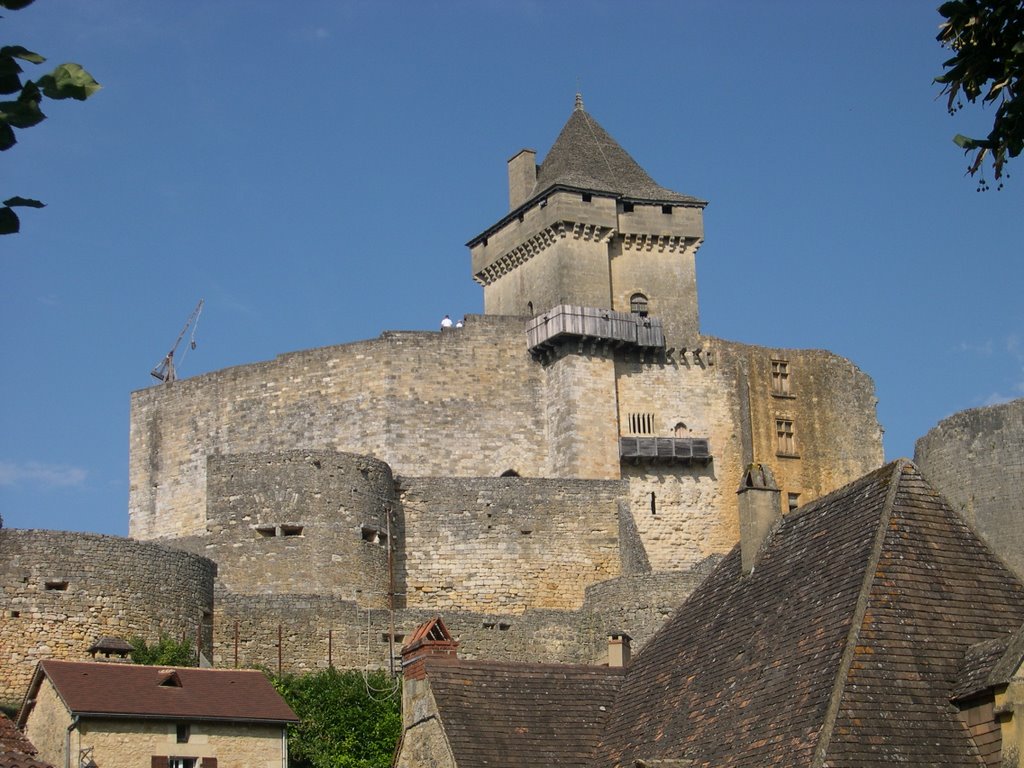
860,609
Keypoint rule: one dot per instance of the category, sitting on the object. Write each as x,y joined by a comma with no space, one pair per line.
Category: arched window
680,430
638,304
529,308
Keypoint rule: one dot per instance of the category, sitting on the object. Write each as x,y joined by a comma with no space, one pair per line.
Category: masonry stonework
540,489
976,459
62,591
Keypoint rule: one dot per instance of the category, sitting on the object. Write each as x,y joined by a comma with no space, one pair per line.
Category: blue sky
313,170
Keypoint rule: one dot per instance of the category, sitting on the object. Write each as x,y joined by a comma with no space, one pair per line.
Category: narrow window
529,308
266,531
780,378
666,209
638,304
15,614
793,500
291,530
641,423
654,504
56,586
587,197
785,436
183,732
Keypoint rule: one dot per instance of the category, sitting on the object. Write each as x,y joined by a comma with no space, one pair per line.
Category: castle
565,463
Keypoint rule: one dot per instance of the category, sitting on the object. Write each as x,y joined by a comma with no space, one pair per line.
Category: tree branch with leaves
67,81
987,38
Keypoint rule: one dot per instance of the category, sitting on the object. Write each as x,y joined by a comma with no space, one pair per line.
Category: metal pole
391,597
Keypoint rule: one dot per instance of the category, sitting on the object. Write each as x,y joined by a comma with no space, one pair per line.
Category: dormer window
638,304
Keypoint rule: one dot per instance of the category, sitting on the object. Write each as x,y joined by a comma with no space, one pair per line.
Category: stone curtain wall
61,591
507,544
299,522
976,460
315,630
465,402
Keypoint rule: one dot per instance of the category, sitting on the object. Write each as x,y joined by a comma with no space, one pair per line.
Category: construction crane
164,371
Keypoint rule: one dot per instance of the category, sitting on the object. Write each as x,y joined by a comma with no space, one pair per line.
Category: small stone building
126,716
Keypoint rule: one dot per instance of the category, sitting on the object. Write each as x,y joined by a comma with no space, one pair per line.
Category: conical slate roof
584,156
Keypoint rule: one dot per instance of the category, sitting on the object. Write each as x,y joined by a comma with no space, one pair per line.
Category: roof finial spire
579,101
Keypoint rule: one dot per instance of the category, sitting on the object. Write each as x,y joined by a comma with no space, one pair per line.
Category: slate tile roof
187,693
505,714
584,156
841,648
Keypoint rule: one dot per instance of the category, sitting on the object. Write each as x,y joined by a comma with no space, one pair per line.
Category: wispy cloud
978,348
1015,352
36,473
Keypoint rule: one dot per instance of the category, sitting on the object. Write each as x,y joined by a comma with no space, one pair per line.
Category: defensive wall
62,591
976,459
471,402
317,630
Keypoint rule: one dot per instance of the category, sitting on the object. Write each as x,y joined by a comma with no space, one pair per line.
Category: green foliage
348,719
166,652
68,81
987,37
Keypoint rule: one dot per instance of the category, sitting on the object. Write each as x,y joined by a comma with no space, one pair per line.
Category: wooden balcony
587,324
674,450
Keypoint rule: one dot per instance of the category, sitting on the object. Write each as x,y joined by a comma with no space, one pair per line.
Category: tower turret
590,228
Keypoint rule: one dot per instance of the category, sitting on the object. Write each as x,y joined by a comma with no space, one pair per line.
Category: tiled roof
584,156
21,760
16,751
126,690
841,646
13,740
497,713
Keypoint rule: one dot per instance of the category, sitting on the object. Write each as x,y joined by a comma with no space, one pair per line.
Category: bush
166,652
348,719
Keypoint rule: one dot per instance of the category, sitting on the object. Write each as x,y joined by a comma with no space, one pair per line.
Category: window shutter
158,762
209,762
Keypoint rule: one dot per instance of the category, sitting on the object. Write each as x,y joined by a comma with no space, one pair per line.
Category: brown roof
13,740
21,760
584,156
841,646
496,713
16,751
130,690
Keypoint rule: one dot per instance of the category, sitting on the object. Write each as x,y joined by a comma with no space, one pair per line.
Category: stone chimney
113,649
522,177
619,649
431,640
760,509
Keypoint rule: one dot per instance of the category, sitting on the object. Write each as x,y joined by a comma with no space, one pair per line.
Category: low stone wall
60,591
316,630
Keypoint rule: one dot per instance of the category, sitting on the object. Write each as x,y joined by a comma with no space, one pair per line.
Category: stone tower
590,228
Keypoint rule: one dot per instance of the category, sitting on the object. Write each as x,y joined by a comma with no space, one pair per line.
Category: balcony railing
566,322
683,450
